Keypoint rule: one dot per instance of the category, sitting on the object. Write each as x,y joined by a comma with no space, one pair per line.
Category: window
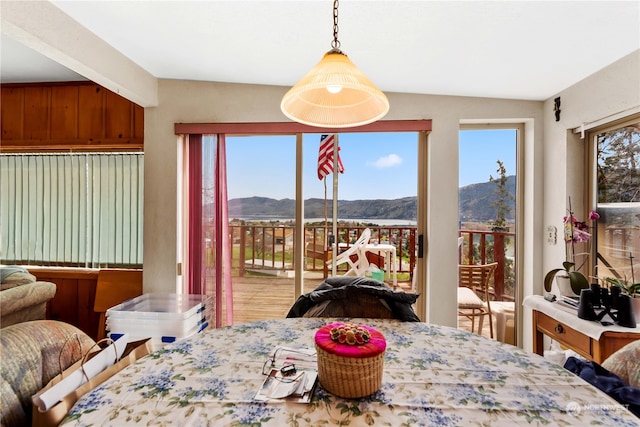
256,161
617,200
71,209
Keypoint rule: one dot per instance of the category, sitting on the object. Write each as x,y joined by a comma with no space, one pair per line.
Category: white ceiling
502,49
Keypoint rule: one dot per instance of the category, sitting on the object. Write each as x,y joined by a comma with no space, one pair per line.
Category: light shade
335,93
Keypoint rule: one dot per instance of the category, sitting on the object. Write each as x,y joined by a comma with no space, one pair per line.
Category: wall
75,294
68,116
186,101
610,93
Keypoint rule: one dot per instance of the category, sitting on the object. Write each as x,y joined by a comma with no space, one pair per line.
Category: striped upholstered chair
31,354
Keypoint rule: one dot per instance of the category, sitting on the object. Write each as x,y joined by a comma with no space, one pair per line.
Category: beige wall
546,170
609,94
184,101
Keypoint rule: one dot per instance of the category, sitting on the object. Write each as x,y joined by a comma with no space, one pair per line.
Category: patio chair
473,282
355,255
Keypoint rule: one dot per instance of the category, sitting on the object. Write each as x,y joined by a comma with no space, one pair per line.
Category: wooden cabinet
63,116
593,349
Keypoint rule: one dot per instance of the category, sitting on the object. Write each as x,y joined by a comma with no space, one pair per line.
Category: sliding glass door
488,216
276,213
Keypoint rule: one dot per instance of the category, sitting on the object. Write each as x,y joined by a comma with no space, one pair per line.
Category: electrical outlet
552,235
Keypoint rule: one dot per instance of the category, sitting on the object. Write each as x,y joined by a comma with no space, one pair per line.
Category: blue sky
377,165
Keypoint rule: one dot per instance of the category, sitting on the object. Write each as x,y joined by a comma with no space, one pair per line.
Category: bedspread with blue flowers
433,376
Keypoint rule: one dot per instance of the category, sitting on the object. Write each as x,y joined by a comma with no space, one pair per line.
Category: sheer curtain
208,258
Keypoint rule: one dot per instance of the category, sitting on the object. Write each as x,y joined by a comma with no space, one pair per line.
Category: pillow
625,363
17,279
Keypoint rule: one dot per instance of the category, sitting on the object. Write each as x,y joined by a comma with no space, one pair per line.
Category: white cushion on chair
468,299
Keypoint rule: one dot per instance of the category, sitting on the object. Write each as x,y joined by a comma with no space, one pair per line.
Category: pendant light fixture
335,93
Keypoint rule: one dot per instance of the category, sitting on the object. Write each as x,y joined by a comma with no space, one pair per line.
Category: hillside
476,199
475,205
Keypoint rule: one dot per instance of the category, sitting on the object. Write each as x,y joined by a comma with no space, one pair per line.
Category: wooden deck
267,297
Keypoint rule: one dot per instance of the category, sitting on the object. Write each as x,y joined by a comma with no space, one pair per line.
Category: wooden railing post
243,250
498,274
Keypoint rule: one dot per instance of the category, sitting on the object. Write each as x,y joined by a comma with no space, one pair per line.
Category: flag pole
326,228
336,161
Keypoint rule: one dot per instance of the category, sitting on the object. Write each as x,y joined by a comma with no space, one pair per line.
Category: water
374,221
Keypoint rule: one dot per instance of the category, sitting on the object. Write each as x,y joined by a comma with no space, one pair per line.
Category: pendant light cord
335,44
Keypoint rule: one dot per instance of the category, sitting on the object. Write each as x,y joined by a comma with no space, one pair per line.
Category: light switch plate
552,235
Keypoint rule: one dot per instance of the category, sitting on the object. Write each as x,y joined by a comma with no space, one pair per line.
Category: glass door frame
519,214
422,127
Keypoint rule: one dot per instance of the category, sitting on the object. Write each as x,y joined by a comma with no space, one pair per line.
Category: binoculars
615,304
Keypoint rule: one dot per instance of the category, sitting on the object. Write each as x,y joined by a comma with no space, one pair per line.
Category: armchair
22,298
32,354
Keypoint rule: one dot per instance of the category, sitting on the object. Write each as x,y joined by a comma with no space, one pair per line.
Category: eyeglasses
286,369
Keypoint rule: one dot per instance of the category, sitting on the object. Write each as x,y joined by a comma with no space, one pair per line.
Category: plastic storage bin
163,317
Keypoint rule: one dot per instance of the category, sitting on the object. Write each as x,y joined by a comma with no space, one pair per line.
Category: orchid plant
575,231
629,287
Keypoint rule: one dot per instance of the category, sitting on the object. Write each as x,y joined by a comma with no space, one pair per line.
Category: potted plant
575,232
629,287
577,281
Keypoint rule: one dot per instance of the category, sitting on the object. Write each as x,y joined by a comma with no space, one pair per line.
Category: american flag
325,157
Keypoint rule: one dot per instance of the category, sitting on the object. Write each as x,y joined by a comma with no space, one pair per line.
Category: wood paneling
64,306
75,293
86,316
138,123
68,116
91,118
12,118
119,117
37,102
64,112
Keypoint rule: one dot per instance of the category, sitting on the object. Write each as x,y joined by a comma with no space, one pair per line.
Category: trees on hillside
503,196
619,165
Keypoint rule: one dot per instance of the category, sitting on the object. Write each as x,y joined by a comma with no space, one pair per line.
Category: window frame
591,176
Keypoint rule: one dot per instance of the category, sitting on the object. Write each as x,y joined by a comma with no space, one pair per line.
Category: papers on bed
294,385
48,397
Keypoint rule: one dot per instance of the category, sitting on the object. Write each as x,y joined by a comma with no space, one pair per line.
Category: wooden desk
553,322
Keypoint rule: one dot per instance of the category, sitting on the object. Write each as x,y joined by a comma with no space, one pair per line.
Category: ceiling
500,49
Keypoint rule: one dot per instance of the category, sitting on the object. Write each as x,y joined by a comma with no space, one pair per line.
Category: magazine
571,302
292,377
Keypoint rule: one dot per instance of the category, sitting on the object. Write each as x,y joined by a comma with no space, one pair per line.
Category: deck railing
270,248
483,247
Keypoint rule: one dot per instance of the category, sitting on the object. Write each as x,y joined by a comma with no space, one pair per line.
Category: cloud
388,161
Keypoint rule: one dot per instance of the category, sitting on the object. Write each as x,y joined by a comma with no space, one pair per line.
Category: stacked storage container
163,317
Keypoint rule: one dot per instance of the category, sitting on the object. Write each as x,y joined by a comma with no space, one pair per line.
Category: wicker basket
349,377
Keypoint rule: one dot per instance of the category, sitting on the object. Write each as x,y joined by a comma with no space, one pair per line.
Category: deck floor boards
266,297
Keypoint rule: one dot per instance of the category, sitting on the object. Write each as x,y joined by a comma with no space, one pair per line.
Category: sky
377,165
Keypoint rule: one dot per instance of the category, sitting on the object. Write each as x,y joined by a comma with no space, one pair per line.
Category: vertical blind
71,209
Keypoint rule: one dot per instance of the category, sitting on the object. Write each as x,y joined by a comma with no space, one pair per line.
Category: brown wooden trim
292,128
49,84
67,273
27,146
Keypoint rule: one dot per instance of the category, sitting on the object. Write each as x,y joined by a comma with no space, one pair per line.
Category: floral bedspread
433,376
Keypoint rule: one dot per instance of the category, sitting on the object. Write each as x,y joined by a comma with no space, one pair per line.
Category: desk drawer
564,334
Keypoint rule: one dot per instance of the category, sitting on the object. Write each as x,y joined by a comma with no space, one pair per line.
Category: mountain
475,205
264,207
476,199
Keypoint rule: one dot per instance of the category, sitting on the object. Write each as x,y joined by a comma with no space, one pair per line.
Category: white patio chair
358,266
